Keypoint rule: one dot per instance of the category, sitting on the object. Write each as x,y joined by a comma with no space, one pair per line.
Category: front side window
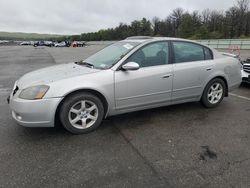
151,55
187,52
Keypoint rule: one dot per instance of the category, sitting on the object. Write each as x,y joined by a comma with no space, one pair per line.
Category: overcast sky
78,16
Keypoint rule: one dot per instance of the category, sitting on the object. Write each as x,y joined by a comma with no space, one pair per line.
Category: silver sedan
134,74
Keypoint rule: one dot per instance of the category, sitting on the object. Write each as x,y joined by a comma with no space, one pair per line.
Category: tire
81,113
213,93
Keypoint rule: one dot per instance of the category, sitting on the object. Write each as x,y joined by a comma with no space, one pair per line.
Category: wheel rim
83,114
215,93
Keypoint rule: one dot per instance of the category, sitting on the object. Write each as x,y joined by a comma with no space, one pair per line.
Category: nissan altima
134,74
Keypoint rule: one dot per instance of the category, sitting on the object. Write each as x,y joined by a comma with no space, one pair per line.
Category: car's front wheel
81,113
213,93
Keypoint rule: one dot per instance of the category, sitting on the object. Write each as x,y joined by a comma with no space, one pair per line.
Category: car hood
53,73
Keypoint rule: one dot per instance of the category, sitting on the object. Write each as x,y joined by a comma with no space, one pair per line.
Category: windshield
110,55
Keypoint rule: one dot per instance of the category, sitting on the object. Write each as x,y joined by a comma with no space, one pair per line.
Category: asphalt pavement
183,145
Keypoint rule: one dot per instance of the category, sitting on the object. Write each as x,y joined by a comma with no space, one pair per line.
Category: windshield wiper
85,63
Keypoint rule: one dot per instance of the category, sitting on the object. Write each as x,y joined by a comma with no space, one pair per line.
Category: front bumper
34,113
245,76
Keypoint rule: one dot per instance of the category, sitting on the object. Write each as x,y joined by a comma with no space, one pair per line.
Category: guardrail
231,44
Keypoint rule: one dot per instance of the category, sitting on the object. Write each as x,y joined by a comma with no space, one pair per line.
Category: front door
151,83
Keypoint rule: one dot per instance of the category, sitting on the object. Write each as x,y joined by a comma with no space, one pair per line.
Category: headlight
34,92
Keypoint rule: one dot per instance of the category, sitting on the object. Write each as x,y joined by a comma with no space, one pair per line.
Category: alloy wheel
83,114
215,93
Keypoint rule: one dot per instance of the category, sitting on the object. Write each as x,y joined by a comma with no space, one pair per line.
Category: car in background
60,44
78,44
43,43
39,43
48,43
245,72
25,43
4,41
81,43
137,73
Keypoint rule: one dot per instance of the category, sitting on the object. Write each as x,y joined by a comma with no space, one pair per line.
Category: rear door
192,65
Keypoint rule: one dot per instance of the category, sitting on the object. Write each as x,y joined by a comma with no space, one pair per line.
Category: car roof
144,39
148,38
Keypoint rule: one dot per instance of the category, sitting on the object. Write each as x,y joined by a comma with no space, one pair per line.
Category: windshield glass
110,55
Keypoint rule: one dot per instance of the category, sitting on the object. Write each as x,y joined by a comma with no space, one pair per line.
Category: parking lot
177,146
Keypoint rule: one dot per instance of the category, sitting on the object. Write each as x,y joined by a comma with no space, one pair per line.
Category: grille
246,68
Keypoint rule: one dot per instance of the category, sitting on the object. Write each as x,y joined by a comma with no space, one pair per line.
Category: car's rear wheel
81,113
213,93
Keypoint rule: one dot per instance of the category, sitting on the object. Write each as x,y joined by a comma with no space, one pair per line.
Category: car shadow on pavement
132,120
59,131
161,115
245,85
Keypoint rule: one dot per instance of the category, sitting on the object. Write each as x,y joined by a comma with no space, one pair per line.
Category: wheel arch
92,91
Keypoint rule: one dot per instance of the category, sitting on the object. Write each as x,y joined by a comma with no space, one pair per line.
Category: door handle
167,76
209,69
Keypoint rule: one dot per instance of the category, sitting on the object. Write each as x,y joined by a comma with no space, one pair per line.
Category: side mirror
130,66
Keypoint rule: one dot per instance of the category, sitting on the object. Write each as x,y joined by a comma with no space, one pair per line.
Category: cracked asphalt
177,146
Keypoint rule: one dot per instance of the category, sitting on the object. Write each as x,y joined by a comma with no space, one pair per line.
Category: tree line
206,24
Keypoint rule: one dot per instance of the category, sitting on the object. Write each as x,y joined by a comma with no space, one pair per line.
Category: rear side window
187,52
208,54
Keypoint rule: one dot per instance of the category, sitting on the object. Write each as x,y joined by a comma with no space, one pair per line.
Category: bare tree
243,5
177,15
232,20
155,24
196,17
206,16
